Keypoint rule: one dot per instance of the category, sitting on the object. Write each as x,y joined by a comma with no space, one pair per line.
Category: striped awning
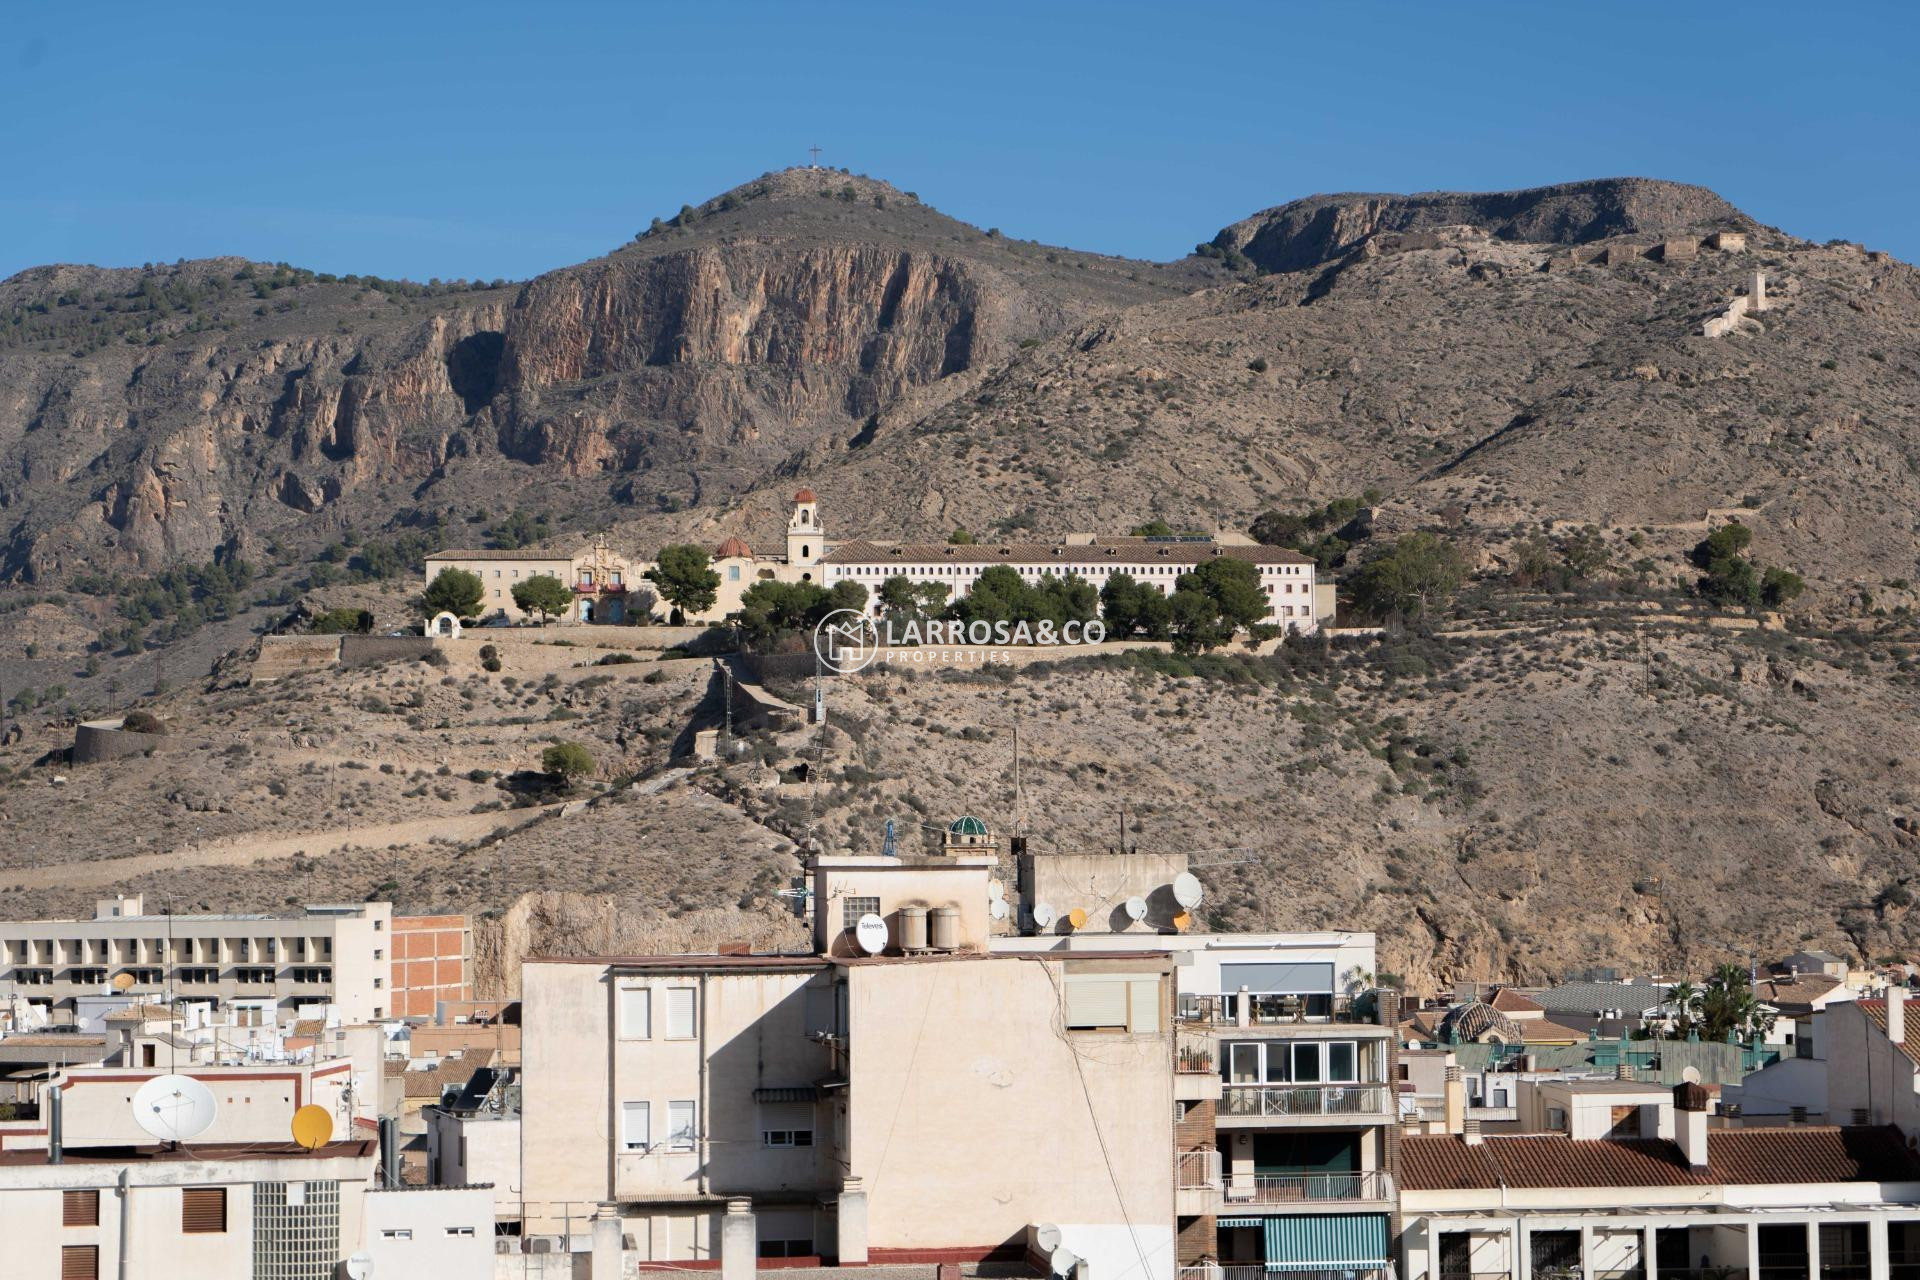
1333,1242
1238,1222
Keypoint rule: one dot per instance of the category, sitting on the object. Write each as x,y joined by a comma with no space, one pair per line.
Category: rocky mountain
164,414
1304,233
1610,772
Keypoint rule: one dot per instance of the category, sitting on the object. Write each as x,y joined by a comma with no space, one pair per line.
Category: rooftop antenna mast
887,848
814,153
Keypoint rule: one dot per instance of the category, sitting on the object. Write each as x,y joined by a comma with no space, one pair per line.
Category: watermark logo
847,640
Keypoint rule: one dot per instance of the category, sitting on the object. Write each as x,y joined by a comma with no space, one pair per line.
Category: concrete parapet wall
358,651
284,655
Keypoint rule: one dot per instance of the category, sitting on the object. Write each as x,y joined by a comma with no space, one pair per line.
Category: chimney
1454,1098
1897,1015
1690,1103
1623,1071
56,1128
1472,1132
390,1151
1386,1007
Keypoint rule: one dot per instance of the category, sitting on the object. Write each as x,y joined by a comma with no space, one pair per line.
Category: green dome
967,825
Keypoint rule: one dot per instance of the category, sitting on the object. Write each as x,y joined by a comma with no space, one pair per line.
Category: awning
1237,1222
796,1093
1335,1242
1271,978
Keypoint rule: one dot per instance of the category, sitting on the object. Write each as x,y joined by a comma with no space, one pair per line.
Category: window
636,1126
396,1233
203,1210
1119,1002
1557,1119
636,1013
786,1124
460,1231
1625,1122
79,1262
733,573
683,1123
1292,1062
681,1013
853,908
79,1208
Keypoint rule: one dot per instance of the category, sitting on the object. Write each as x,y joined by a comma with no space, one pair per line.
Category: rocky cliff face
1317,229
159,415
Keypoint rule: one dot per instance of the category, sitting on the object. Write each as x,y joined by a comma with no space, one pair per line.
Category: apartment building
917,1098
265,964
1622,1179
432,964
1285,1071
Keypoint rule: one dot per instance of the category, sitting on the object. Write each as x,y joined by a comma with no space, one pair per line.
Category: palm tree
1683,1007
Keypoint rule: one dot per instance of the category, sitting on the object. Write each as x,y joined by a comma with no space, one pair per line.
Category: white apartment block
264,965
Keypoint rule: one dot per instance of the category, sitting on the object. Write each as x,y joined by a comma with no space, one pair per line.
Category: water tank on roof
913,928
946,928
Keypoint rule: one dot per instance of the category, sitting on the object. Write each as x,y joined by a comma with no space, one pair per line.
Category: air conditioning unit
504,1244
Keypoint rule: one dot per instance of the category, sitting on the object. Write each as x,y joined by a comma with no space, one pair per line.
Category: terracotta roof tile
1876,1011
1104,553
1737,1157
1507,1000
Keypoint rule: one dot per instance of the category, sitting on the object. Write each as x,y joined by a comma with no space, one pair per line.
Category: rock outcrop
1304,233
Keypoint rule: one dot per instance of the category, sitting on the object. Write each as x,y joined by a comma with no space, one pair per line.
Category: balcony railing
1194,1054
1304,1100
1197,1170
1222,1010
1258,1271
1307,1188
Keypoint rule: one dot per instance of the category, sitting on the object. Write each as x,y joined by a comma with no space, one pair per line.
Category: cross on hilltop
814,152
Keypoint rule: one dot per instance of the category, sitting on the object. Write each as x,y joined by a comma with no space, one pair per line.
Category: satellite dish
1062,1261
1046,1237
1187,891
312,1127
1136,908
996,892
1077,918
1183,922
360,1266
998,909
174,1108
1042,915
122,981
871,934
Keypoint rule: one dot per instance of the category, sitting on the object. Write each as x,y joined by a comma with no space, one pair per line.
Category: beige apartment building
338,955
914,1099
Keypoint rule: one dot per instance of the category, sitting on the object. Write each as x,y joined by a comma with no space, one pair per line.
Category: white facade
435,1233
338,955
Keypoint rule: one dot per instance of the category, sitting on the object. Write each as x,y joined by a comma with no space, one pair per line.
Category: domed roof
1474,1019
733,548
805,495
967,825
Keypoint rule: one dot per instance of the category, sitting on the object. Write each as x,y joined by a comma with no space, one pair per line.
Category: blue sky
482,140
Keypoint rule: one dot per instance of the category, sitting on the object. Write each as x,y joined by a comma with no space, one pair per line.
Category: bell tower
804,535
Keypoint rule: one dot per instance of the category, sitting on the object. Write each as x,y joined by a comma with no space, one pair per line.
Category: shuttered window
1117,1003
680,1013
636,1125
80,1262
636,1013
203,1210
79,1208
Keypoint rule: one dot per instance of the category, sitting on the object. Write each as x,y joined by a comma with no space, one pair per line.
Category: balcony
1304,1101
1196,1076
602,588
1274,1011
1196,1183
1298,1190
1258,1271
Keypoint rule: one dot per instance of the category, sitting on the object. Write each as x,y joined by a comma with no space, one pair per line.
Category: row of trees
1726,1004
462,594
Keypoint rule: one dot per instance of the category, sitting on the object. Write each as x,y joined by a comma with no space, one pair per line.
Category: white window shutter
636,1013
1096,1002
636,1124
1144,1004
680,1012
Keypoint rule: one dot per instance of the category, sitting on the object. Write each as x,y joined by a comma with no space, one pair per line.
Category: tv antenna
887,847
814,153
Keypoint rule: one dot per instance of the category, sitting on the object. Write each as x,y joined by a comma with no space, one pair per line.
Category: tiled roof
1544,1031
1591,997
53,1040
488,553
1736,1157
1876,1011
1507,1000
309,1026
1106,553
142,1013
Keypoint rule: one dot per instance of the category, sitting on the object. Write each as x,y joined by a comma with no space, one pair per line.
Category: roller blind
1096,1002
636,1013
203,1209
80,1262
680,1013
79,1208
1277,979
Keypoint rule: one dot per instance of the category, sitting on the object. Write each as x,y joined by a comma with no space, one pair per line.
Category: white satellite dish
1136,909
998,909
1187,891
174,1108
1046,1237
871,934
1062,1261
996,891
360,1266
1042,915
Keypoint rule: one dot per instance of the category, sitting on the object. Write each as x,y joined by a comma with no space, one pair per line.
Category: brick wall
1198,1239
432,961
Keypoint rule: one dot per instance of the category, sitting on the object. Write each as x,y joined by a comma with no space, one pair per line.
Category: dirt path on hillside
237,851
